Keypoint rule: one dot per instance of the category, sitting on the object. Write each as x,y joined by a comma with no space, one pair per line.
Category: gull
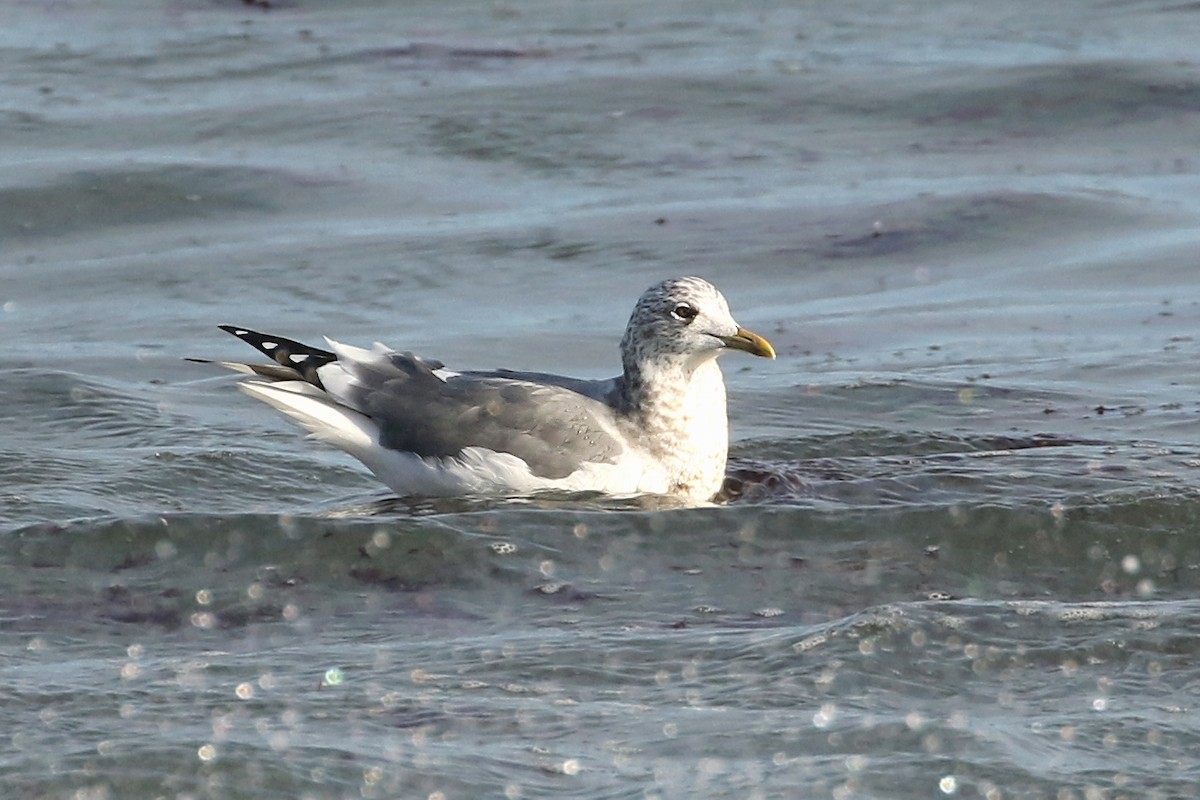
659,427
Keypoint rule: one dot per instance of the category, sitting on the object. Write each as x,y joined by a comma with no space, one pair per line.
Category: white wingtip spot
269,345
297,358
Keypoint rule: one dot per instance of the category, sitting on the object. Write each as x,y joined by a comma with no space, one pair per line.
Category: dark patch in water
92,200
1046,98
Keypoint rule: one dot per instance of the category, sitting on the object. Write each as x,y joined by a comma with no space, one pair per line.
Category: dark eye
685,312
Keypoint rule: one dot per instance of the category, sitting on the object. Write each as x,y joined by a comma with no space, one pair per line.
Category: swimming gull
659,427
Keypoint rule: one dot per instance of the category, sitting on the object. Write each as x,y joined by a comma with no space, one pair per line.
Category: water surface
959,556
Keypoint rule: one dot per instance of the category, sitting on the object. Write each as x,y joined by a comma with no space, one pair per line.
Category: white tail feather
316,412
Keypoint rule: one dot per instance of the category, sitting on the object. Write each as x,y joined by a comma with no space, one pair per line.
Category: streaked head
686,318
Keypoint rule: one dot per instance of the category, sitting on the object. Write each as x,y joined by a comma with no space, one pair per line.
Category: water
960,555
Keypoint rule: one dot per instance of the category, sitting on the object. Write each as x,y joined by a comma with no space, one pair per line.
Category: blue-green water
961,558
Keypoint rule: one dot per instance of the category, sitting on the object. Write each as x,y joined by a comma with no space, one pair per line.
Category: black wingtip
296,357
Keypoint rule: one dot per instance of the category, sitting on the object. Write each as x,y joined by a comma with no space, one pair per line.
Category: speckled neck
680,414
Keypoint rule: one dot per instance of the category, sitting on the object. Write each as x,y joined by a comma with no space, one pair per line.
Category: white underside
476,470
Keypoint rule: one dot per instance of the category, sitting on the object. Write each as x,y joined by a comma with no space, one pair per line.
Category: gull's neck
678,408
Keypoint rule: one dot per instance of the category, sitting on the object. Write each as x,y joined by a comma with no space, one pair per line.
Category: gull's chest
686,438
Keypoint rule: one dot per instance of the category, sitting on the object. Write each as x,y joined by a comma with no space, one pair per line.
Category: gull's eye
685,312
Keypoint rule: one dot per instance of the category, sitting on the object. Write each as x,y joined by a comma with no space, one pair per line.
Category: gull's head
686,319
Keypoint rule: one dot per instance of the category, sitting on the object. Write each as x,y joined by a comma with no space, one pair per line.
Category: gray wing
551,427
607,391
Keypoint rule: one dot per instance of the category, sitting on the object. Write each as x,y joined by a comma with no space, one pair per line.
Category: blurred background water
960,558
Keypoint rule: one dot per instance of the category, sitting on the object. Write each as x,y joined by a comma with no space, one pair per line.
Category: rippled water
959,555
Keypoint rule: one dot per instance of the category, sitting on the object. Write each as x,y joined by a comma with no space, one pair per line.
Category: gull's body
659,427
